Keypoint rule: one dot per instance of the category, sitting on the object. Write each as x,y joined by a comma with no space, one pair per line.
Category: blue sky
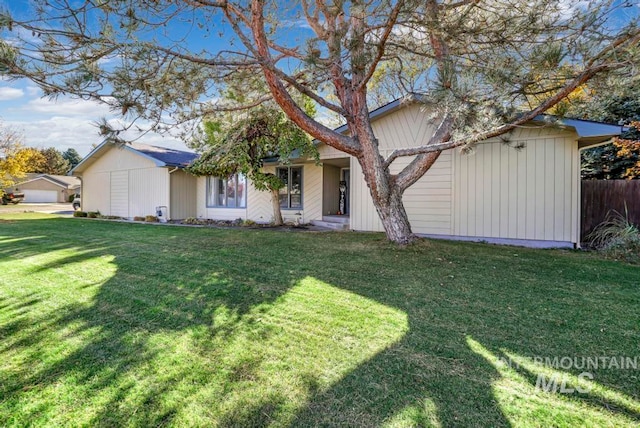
67,123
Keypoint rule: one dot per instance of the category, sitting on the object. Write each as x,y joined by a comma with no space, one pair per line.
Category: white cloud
81,134
67,107
8,93
33,91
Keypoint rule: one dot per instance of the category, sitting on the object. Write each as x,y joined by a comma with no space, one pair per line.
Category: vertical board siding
148,189
183,195
201,197
119,193
96,192
125,184
429,201
362,208
502,192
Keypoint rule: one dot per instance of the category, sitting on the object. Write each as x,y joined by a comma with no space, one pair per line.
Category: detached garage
48,188
129,180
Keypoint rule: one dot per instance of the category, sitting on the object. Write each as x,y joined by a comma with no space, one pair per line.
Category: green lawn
115,324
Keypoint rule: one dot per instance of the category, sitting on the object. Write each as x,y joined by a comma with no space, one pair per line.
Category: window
227,192
291,193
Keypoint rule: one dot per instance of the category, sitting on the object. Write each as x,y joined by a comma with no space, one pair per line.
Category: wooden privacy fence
601,196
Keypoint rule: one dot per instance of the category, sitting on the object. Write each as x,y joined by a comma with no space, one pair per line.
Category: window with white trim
227,192
291,193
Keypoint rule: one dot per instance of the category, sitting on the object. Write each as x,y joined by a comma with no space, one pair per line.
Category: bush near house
617,238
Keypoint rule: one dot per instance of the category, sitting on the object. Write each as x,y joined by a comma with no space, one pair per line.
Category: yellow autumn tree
14,158
629,148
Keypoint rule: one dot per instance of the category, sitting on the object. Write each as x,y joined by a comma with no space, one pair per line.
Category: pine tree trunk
394,218
277,213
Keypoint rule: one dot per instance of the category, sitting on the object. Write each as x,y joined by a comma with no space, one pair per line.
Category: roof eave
88,160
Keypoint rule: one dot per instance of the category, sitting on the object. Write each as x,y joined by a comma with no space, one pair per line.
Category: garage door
40,195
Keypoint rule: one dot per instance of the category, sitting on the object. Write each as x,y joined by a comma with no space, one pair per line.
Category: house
129,180
496,193
47,188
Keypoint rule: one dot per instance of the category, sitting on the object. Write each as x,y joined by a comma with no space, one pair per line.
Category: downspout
169,214
579,219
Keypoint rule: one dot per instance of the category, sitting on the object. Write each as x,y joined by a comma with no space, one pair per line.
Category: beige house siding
119,159
259,206
500,192
494,192
119,193
125,184
328,152
96,192
363,213
183,195
148,189
213,212
429,201
259,203
312,192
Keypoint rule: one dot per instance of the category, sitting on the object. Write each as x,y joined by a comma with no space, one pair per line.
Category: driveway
64,209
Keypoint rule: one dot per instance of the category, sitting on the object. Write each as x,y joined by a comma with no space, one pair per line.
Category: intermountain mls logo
566,383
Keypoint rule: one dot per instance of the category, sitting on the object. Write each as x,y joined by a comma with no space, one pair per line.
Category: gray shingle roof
170,157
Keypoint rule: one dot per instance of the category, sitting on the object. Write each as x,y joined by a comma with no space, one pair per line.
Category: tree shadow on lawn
92,352
466,321
252,328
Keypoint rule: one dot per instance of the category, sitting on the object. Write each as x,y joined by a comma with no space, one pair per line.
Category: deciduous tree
13,160
483,62
54,162
239,144
621,158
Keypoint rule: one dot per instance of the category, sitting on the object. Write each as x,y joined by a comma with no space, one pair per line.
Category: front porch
335,222
336,184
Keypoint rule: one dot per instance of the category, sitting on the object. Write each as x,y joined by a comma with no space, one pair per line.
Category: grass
115,324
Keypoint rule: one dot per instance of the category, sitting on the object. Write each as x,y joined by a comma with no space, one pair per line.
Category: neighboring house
47,188
129,180
496,193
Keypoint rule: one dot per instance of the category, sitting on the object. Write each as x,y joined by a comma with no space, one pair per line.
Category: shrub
248,223
193,220
617,238
93,214
138,218
79,214
151,219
